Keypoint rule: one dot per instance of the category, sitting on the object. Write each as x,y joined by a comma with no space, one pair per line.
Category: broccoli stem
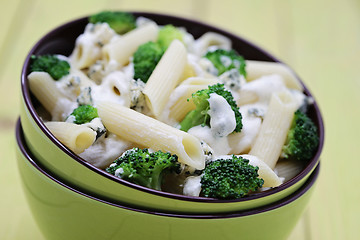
194,118
156,179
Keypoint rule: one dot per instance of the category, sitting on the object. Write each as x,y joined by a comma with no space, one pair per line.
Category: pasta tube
257,69
165,77
179,106
88,45
44,88
273,132
149,132
76,137
85,81
122,49
265,172
210,39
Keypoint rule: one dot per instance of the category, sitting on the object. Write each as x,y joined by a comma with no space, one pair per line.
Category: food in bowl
80,215
156,90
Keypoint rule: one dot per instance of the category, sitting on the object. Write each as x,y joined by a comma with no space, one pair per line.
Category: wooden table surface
319,39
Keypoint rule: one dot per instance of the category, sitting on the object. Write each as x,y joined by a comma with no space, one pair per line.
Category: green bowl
62,163
62,211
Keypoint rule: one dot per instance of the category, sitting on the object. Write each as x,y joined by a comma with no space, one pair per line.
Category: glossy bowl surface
65,165
64,212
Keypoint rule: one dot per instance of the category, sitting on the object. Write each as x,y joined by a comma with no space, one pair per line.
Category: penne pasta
76,137
198,81
211,39
189,72
246,97
271,179
123,48
165,77
257,69
273,132
85,81
151,133
178,105
88,45
85,54
44,88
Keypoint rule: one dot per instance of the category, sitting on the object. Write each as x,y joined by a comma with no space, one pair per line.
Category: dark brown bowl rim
175,20
20,139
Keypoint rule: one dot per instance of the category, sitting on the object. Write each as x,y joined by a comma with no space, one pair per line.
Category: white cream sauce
105,150
89,44
222,117
69,86
242,141
192,186
263,88
219,145
63,108
115,87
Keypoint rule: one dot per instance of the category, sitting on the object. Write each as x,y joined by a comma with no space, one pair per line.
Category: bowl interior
61,41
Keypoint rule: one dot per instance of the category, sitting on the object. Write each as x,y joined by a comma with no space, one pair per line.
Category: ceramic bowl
63,211
67,166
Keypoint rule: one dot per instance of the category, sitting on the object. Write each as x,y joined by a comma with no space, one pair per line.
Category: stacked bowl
72,199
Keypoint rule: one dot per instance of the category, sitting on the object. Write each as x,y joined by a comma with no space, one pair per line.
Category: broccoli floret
229,178
120,22
200,114
84,114
149,54
143,167
167,34
224,60
302,139
145,60
87,115
51,64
